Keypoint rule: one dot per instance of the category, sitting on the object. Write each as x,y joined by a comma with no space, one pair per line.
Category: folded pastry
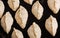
34,31
13,4
17,34
51,25
54,5
21,16
37,10
29,1
1,8
6,22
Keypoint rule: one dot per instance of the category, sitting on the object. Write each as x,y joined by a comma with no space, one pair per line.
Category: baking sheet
31,18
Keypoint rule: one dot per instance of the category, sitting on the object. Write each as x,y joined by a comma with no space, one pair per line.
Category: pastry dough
51,25
34,31
6,22
13,4
1,8
21,16
29,1
54,5
17,34
37,10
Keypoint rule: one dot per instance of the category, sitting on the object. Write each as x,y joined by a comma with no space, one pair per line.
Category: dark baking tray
47,12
